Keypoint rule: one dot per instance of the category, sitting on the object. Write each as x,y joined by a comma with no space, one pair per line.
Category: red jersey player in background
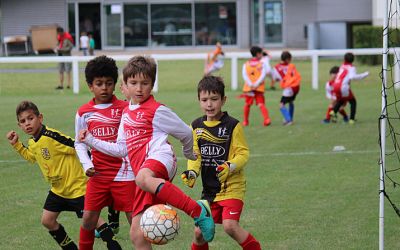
342,89
111,178
215,60
332,98
289,78
143,136
254,72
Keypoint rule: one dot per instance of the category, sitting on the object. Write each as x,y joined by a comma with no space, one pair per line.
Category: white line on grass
272,154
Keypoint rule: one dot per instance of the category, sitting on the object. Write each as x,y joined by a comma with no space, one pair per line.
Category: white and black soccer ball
159,224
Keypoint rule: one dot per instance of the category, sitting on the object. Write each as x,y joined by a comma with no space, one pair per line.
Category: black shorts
287,99
56,203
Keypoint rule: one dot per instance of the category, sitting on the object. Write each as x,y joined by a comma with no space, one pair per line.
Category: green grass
300,194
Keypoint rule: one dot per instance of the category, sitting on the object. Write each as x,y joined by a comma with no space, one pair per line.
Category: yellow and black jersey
56,156
217,142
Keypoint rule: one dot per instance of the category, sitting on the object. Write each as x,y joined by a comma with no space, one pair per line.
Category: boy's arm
193,167
246,79
13,139
81,148
116,149
264,72
170,123
240,150
354,76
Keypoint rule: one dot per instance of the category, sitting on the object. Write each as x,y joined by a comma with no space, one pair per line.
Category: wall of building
344,10
18,16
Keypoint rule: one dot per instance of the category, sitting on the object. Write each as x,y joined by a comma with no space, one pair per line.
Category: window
136,25
215,22
171,24
273,21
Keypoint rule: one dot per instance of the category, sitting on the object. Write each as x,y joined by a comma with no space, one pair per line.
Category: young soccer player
111,178
266,58
332,98
222,154
215,60
342,89
143,136
55,154
254,72
289,78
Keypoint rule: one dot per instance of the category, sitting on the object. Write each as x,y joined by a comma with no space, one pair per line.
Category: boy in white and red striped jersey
111,178
143,136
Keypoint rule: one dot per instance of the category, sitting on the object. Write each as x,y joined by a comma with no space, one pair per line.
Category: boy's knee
197,235
230,227
89,221
49,223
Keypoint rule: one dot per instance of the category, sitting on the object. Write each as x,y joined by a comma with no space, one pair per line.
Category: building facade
138,24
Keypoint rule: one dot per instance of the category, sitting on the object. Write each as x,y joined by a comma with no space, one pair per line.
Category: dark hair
26,105
213,84
349,57
255,50
286,56
101,66
334,70
140,65
60,30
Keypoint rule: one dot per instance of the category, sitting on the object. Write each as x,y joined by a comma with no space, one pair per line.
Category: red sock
251,243
328,116
264,111
343,112
86,239
200,247
171,194
246,112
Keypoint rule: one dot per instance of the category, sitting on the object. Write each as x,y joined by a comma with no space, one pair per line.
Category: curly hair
101,66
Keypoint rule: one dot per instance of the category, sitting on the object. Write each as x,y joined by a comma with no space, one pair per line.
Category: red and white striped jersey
102,121
143,134
347,72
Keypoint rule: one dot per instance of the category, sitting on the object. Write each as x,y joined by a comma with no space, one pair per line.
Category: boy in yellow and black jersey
55,154
222,154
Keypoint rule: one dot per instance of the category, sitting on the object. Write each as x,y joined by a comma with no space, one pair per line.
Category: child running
215,60
111,178
143,136
55,154
222,174
289,78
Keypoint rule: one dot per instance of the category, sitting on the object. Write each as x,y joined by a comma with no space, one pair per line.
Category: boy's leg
137,238
107,235
291,110
56,230
199,243
113,219
248,101
353,108
260,101
86,234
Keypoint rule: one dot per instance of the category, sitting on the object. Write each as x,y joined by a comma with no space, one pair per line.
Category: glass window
171,24
113,25
136,25
256,18
71,20
215,22
273,21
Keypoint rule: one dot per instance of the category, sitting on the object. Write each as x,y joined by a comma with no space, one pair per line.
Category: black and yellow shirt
217,142
57,159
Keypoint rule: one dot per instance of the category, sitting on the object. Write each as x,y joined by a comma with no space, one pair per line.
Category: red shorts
101,193
144,199
227,209
258,97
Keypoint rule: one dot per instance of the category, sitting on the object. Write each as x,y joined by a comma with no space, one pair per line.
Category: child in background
332,98
223,178
143,136
84,43
92,45
289,78
215,60
55,154
342,88
266,58
254,72
111,178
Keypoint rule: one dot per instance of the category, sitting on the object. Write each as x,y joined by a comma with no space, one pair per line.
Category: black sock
63,239
107,235
113,218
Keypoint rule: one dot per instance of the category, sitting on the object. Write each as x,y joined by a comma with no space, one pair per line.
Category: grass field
300,194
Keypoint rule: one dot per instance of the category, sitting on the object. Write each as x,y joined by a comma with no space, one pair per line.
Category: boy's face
124,90
211,104
30,123
103,89
139,88
259,55
332,76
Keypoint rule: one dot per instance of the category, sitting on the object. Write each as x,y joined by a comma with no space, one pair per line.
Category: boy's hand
12,137
82,135
90,172
223,170
189,177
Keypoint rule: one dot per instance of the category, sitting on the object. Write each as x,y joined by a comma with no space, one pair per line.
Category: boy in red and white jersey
254,72
143,136
342,89
111,178
332,98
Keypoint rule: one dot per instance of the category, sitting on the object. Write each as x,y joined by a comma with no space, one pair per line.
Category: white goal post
233,56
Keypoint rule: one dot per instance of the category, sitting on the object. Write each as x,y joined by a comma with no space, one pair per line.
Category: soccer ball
159,224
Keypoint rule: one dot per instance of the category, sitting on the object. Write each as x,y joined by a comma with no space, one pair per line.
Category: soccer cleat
245,123
325,121
272,88
333,116
97,234
352,122
345,119
59,87
287,123
267,122
205,221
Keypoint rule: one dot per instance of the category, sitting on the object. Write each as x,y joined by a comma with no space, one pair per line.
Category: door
112,26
